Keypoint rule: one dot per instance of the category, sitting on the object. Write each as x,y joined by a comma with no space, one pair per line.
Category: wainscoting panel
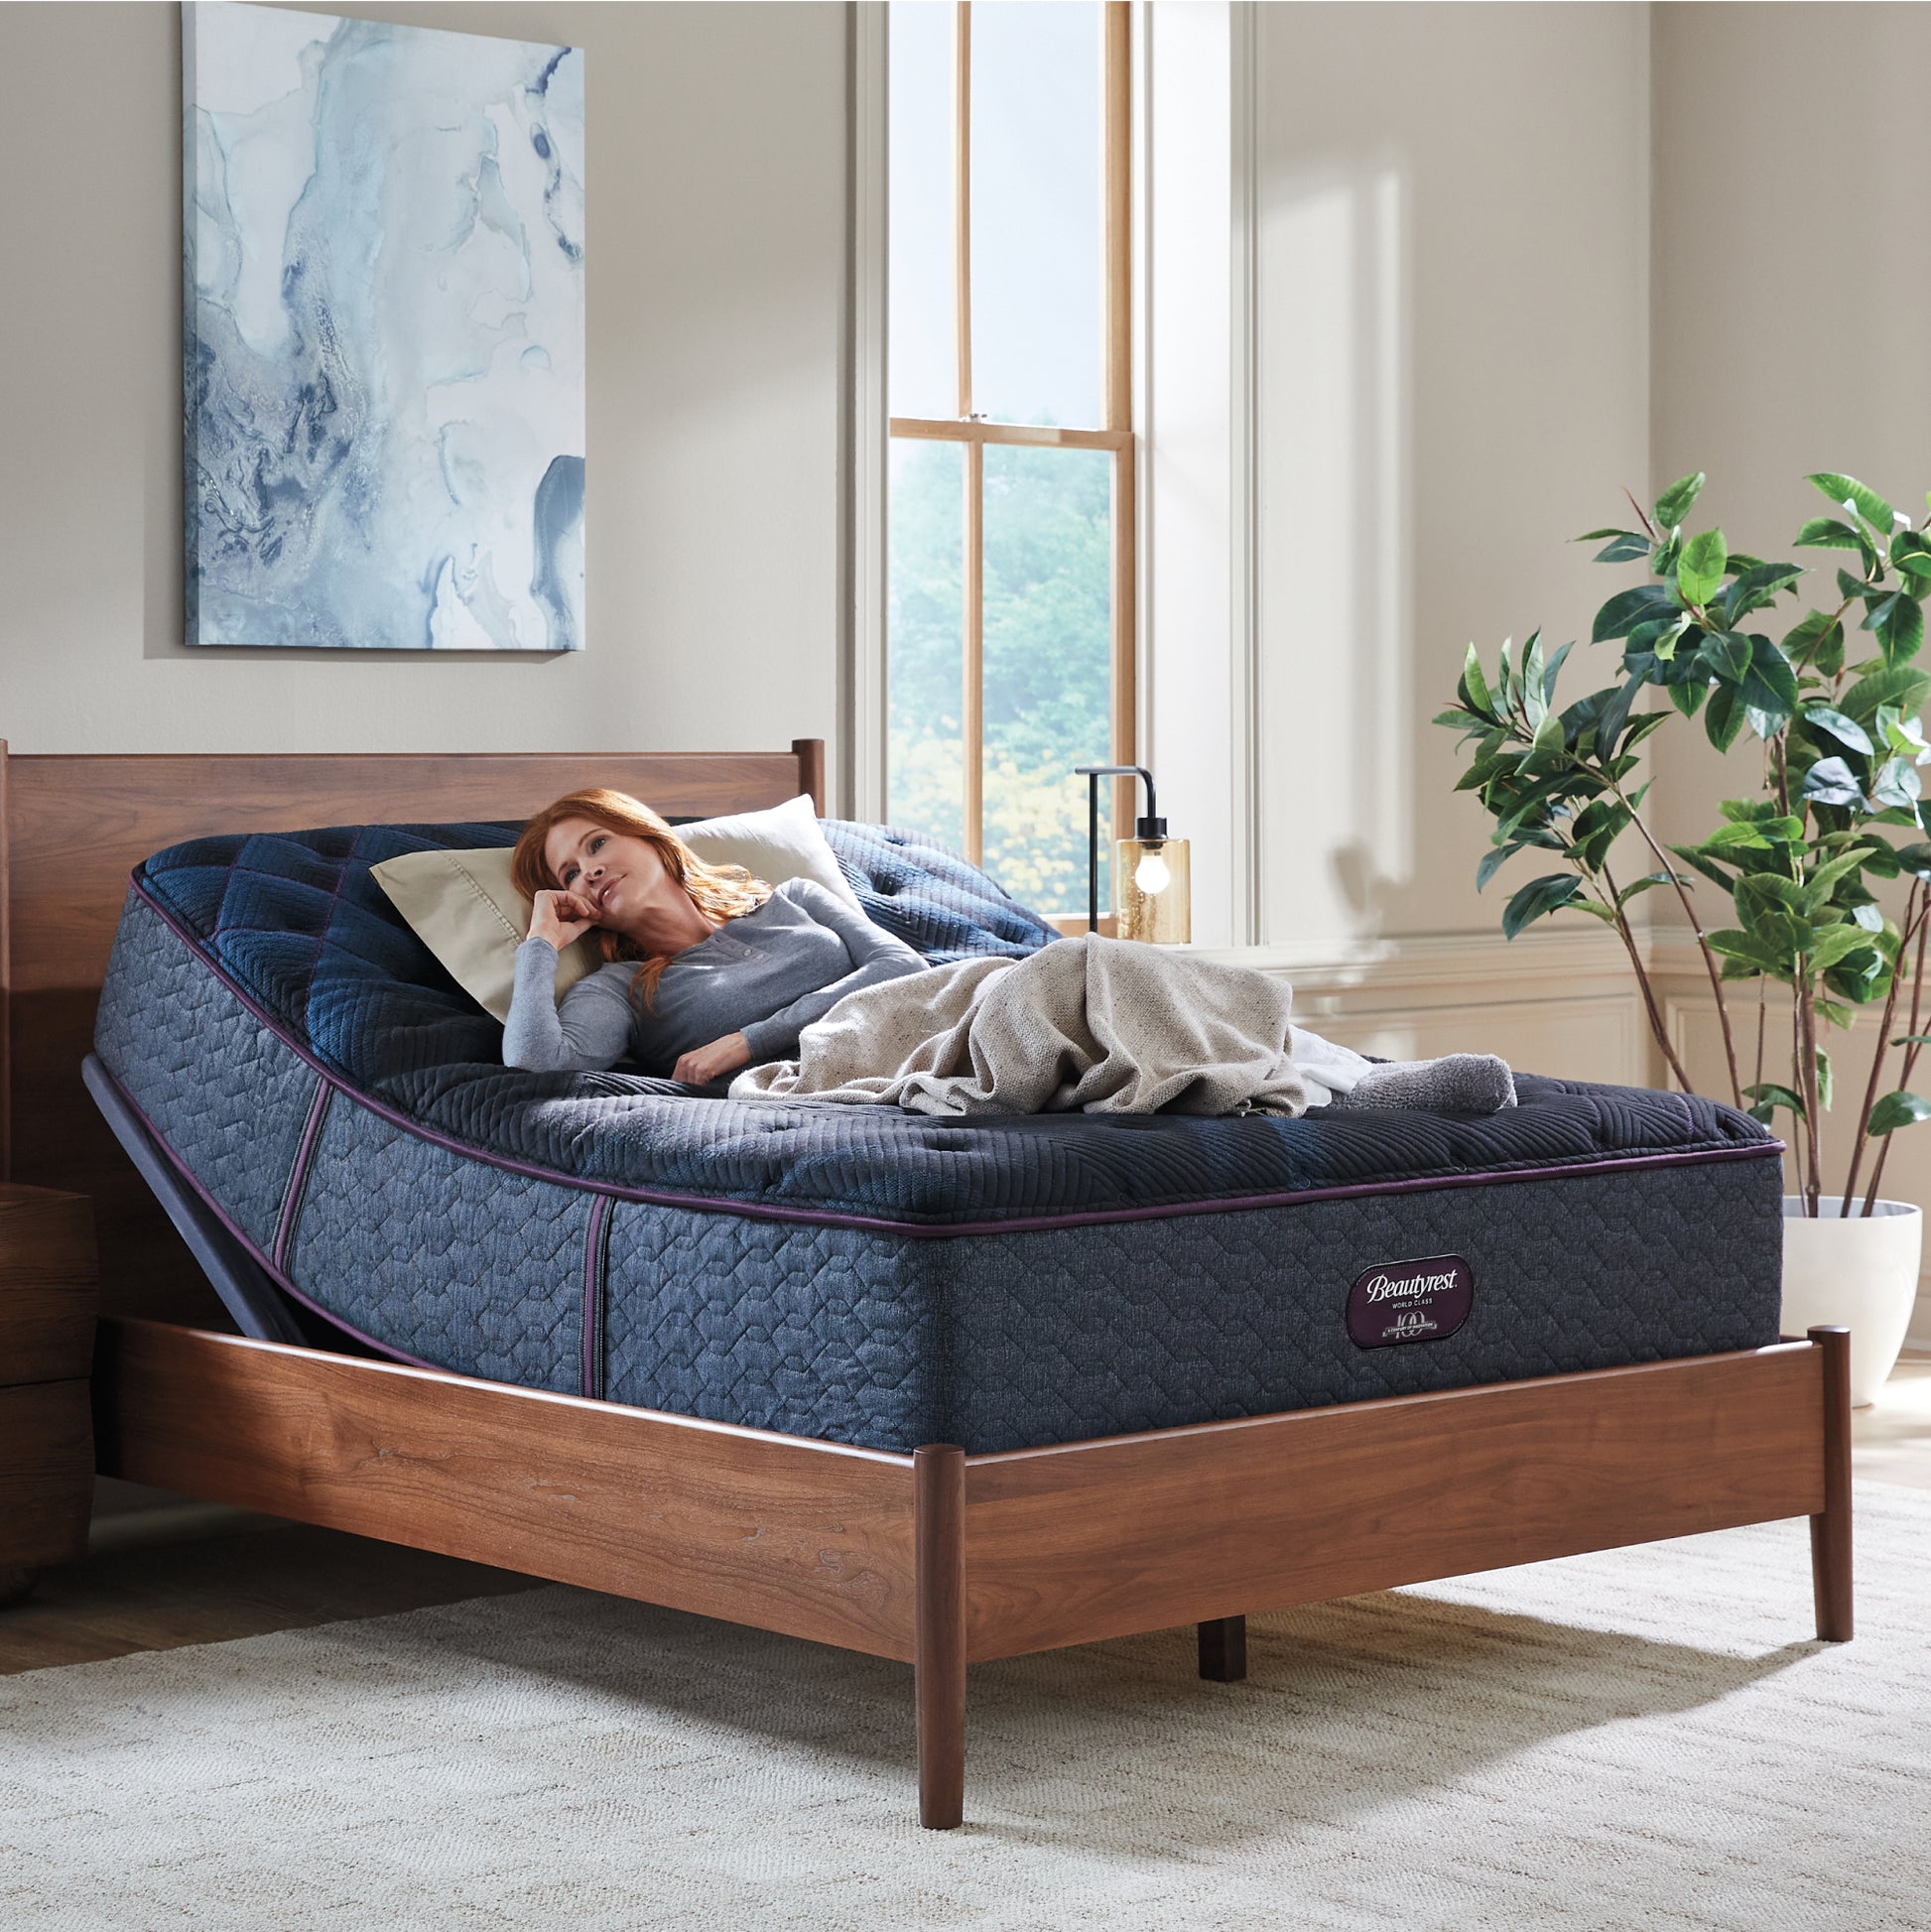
1559,1003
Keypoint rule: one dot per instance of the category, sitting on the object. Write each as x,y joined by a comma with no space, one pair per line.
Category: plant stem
1912,916
1703,945
1621,923
1807,1075
1908,1064
1762,987
1796,1083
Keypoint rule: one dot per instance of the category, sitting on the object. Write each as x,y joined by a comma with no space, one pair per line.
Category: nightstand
48,1289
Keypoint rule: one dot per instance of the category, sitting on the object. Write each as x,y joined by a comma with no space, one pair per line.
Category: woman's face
616,875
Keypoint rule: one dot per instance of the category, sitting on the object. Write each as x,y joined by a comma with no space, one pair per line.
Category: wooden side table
48,1291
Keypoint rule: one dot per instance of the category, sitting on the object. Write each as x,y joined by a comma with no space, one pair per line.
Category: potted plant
1839,816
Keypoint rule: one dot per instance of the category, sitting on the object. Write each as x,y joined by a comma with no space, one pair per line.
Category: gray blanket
1101,1026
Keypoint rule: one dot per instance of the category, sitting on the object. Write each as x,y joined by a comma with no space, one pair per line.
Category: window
1009,596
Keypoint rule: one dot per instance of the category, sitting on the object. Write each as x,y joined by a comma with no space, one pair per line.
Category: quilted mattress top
296,924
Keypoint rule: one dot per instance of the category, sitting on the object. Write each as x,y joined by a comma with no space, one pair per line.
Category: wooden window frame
1115,435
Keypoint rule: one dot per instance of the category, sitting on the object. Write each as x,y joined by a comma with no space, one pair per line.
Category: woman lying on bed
708,970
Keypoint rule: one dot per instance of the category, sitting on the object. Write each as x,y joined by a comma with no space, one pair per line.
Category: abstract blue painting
383,337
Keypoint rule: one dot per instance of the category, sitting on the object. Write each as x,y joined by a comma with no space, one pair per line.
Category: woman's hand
701,1064
559,916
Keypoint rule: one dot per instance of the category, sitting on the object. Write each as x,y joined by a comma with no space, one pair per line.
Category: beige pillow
462,906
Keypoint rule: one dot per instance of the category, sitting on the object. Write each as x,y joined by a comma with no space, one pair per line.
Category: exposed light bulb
1151,874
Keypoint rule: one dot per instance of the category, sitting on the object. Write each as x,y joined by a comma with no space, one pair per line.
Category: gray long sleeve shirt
767,974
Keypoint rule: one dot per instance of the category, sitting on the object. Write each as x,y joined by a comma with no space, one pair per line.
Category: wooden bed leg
939,1533
1830,1529
1224,1649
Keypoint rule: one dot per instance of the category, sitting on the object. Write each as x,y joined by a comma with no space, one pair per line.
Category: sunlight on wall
1336,590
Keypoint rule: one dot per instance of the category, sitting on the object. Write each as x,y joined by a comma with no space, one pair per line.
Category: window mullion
963,199
972,723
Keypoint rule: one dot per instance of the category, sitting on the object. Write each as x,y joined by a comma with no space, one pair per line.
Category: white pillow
784,841
463,907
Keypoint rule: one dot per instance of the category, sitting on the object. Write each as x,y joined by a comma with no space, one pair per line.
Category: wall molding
1244,503
861,778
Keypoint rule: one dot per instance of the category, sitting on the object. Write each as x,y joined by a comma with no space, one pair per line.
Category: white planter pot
1860,1274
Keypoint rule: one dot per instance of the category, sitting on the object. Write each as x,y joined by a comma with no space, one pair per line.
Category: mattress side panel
228,1094
807,1330
1156,1324
442,1257
1005,1341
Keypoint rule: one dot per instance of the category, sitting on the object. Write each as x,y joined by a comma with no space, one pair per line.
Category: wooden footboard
945,1559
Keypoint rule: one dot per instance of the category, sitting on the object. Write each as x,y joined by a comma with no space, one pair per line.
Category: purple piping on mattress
917,1231
267,1267
298,1174
594,1294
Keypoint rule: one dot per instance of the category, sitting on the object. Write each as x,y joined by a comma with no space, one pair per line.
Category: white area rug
1643,1739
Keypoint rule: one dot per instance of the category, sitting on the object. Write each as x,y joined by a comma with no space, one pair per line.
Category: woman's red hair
721,891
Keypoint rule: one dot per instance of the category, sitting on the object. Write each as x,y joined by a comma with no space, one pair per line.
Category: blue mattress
865,1275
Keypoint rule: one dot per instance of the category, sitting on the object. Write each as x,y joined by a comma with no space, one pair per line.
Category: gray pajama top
767,974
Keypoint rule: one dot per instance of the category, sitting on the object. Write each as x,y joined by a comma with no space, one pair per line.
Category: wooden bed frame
938,1559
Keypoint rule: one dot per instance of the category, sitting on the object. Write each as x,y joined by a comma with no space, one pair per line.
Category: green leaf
1894,683
1769,689
1847,732
1749,951
1648,880
1829,781
1899,1110
1540,897
1548,745
1809,631
1732,836
1627,608
1912,1040
1897,785
1674,503
1724,719
1700,573
1830,944
1491,864
1596,536
1769,1095
1554,670
1727,653
1914,859
1623,547
1829,533
1847,490
1688,699
1902,632
1757,587
1473,687
1910,550
1826,1084
1614,715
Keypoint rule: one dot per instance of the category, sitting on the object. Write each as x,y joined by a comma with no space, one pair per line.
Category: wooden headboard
71,828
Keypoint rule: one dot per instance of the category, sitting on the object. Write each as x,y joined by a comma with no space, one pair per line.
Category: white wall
1790,330
1792,156
1453,322
717,179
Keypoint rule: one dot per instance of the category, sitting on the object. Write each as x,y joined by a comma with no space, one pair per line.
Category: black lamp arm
1152,827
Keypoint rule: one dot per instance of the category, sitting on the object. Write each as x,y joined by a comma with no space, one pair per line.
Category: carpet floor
1641,1738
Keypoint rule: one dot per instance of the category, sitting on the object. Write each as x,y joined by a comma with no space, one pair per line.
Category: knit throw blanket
1100,1026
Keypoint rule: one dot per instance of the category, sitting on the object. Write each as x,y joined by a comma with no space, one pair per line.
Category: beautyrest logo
1380,1287
1410,1301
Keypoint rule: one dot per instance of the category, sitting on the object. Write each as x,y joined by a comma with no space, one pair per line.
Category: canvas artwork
384,334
